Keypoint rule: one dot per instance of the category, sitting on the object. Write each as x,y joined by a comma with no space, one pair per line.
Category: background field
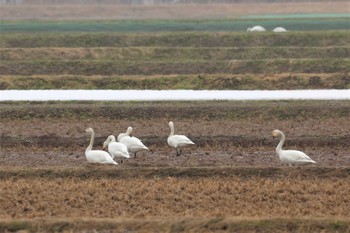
175,60
59,10
231,180
320,22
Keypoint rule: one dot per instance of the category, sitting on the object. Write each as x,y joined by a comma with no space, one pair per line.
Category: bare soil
43,139
231,180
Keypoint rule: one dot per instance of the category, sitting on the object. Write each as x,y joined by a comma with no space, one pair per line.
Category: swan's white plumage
290,156
279,29
256,29
177,141
127,133
97,156
133,144
116,149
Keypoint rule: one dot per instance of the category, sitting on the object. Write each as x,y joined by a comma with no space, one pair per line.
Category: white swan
116,149
177,141
127,133
133,144
279,29
256,29
97,156
290,156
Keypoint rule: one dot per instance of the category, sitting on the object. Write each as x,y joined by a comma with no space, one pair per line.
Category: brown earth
232,175
42,135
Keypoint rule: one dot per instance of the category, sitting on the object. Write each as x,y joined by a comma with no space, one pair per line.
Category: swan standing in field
133,144
177,141
290,156
256,29
97,156
116,149
279,29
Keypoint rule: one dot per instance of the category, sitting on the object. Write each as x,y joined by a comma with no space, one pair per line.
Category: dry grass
176,197
181,11
173,54
284,81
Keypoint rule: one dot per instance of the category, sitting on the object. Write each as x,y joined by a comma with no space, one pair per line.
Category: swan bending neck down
256,29
116,149
127,133
133,144
177,141
279,29
97,156
290,156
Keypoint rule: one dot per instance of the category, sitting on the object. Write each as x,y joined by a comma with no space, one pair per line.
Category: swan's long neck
171,130
280,144
111,138
128,131
91,142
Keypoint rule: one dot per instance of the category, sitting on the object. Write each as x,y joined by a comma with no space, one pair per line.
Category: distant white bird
279,29
290,156
116,149
97,156
133,144
256,29
177,141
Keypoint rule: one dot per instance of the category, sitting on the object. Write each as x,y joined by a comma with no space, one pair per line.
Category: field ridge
175,39
162,110
87,172
238,141
179,224
283,81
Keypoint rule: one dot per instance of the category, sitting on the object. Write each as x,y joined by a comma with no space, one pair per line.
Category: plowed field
230,180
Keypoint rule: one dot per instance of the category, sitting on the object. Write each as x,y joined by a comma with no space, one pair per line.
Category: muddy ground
28,138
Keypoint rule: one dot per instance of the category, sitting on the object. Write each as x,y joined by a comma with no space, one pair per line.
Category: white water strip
170,95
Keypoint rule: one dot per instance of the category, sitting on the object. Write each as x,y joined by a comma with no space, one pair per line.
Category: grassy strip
194,82
109,172
177,224
194,110
169,67
171,54
300,24
175,39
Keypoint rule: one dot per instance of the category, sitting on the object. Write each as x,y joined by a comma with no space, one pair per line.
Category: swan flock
128,144
259,28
